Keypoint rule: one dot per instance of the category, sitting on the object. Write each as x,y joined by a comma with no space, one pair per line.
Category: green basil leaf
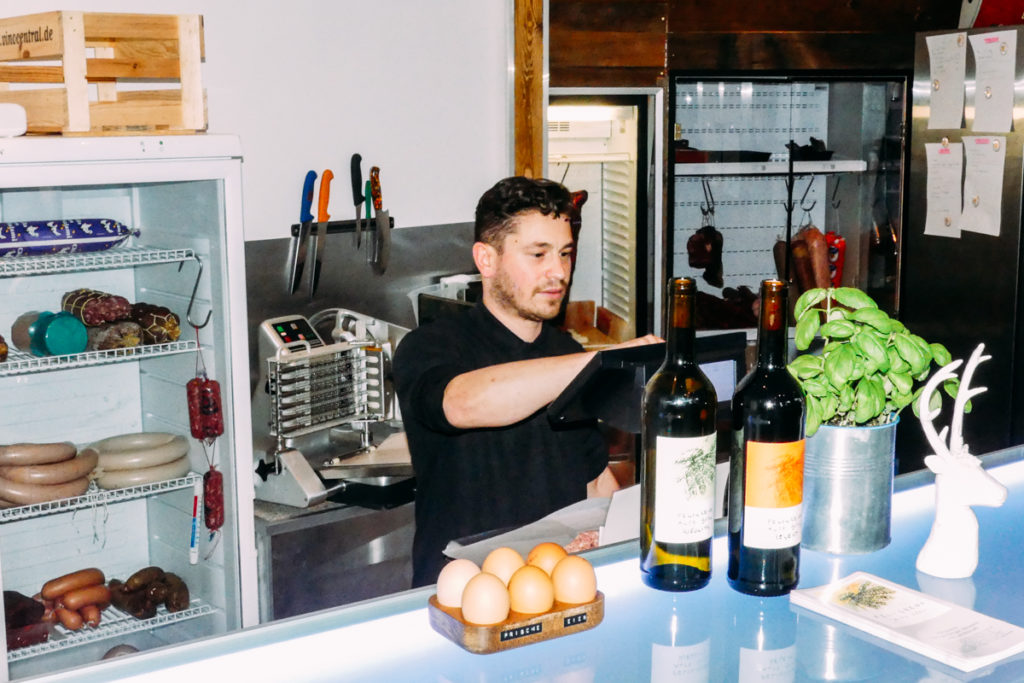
808,299
901,381
941,355
806,327
837,329
853,298
813,418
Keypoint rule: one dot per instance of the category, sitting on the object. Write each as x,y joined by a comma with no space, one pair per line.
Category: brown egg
485,600
503,563
574,580
453,579
546,555
530,590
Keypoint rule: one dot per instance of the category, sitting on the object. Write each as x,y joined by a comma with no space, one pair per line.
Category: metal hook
835,191
808,209
709,199
192,298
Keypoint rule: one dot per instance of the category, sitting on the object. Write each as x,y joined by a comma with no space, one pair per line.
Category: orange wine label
773,494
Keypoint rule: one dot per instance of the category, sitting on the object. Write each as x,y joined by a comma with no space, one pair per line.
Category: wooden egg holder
518,629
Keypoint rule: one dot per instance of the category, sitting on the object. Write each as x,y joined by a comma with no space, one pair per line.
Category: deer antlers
956,447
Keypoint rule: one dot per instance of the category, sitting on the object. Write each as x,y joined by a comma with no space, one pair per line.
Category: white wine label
767,665
772,528
684,489
681,662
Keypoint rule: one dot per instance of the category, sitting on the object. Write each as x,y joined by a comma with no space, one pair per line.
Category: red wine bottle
767,463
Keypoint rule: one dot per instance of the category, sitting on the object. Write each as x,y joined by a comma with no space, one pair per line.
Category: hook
835,191
709,199
803,199
192,299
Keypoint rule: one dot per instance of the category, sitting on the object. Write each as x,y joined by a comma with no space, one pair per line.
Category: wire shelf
122,257
20,363
113,623
96,496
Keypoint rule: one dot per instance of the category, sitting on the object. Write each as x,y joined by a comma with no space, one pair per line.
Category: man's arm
500,395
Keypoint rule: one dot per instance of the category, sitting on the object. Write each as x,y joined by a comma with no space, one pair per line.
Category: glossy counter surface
714,634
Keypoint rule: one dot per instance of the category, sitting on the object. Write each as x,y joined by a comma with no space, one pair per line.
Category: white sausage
36,453
118,479
130,452
54,473
27,494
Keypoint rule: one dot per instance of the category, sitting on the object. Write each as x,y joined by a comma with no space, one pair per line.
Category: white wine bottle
678,467
767,464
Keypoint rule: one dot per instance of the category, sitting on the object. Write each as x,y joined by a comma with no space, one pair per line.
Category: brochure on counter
954,635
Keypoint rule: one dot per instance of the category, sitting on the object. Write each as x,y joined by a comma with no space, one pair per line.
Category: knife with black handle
357,194
298,254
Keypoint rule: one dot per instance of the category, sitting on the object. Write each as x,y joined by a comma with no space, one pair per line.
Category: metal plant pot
848,478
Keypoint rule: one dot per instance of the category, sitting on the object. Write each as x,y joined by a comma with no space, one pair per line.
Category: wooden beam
529,87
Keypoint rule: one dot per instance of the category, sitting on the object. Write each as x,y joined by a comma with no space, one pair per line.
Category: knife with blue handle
298,255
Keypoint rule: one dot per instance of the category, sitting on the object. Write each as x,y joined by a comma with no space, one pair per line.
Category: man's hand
604,486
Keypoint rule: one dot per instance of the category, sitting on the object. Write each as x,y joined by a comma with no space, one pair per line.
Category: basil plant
866,372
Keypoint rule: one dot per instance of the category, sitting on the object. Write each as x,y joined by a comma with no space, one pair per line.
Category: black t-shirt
474,480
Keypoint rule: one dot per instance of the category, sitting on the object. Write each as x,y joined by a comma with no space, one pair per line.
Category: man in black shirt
473,387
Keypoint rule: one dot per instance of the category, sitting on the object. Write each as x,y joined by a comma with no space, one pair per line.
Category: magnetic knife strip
324,387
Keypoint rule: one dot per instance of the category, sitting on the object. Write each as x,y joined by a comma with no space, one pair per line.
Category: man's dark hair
509,198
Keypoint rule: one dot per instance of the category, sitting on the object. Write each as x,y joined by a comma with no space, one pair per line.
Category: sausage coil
91,615
144,449
54,588
53,473
70,619
117,479
36,453
28,494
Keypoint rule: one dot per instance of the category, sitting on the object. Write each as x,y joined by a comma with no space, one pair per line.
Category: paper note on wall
995,58
984,157
945,165
947,59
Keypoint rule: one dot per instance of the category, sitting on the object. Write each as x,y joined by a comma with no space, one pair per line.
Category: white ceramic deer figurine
951,551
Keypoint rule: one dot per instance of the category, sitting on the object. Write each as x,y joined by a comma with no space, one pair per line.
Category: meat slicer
319,403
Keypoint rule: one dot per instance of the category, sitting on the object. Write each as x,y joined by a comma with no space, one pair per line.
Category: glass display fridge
799,176
180,196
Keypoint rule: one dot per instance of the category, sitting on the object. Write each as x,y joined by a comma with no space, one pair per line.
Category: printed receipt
949,633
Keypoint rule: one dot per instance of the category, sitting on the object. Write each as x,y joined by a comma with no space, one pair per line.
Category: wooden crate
75,72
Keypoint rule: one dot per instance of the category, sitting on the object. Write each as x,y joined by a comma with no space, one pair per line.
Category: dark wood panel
789,51
883,16
605,48
608,77
609,15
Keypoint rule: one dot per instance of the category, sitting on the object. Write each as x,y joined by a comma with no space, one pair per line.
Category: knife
298,254
382,249
357,193
368,202
316,247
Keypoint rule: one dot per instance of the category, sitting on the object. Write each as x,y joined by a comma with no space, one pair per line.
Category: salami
159,324
213,499
94,308
204,409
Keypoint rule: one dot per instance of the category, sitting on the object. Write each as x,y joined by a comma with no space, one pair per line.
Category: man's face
533,269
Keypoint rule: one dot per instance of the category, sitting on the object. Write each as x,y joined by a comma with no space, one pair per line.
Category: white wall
419,88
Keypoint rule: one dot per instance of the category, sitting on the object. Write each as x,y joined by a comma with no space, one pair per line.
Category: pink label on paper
992,39
981,141
945,150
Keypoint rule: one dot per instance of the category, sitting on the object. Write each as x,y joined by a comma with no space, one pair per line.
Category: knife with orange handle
317,246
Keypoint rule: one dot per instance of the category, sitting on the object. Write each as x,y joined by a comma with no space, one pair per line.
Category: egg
453,579
546,555
530,590
503,563
485,600
574,580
